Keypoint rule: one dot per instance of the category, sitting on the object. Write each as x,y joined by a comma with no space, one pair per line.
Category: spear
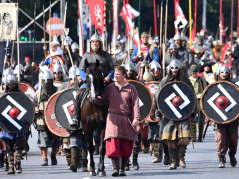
166,20
34,35
161,23
50,24
64,25
5,58
110,28
44,33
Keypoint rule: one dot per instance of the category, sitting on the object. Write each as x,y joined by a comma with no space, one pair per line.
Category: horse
93,117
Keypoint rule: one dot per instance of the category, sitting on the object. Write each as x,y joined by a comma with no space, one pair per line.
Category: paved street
201,161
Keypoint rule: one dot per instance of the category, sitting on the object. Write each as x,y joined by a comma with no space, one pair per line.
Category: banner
8,21
97,13
179,17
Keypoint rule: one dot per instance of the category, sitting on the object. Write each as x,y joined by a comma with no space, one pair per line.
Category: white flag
8,21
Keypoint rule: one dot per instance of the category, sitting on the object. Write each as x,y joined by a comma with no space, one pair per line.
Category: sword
133,127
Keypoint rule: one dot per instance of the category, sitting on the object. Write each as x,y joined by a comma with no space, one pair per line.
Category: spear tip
66,6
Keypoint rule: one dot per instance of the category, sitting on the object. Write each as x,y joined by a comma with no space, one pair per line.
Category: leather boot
44,162
123,161
222,162
80,159
44,156
166,159
6,162
127,168
97,145
1,160
53,160
11,170
115,164
18,167
74,158
135,161
84,168
181,155
173,158
233,160
201,126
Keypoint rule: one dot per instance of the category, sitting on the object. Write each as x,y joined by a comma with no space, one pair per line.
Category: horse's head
94,79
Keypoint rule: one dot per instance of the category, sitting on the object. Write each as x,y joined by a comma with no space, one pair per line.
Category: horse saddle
81,95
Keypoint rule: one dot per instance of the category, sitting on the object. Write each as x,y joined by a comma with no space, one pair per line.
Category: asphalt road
201,162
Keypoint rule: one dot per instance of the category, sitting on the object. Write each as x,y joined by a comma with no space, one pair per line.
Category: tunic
123,108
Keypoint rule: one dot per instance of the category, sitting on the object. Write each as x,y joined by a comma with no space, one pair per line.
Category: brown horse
93,117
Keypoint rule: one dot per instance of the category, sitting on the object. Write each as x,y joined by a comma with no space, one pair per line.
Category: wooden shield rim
63,91
150,82
216,82
27,110
187,86
58,92
150,96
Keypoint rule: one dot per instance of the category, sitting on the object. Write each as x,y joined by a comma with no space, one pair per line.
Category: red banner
97,14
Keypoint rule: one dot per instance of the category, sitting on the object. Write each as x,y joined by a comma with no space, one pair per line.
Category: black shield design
16,112
176,101
64,108
145,99
220,102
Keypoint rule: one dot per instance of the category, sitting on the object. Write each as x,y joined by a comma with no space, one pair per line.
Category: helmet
210,39
11,80
199,36
156,39
123,40
8,71
154,65
16,71
144,63
173,46
68,41
129,66
74,46
95,37
72,75
4,80
47,75
55,41
223,69
57,68
183,37
72,69
21,67
174,65
147,75
177,37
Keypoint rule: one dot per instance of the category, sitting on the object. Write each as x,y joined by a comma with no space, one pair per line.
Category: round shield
28,90
152,86
145,99
53,125
176,100
16,112
236,81
64,108
220,102
57,83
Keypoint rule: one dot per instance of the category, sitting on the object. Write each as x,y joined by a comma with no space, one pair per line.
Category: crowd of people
62,69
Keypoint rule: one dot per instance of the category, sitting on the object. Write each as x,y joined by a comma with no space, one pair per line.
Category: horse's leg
91,151
101,166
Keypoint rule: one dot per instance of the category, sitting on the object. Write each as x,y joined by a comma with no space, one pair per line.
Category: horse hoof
92,173
101,174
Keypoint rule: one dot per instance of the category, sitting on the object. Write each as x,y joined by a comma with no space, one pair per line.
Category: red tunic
123,108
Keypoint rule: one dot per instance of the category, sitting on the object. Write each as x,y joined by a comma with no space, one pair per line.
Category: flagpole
238,19
166,21
155,19
220,22
18,55
232,22
161,24
50,24
139,16
64,25
110,33
190,22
